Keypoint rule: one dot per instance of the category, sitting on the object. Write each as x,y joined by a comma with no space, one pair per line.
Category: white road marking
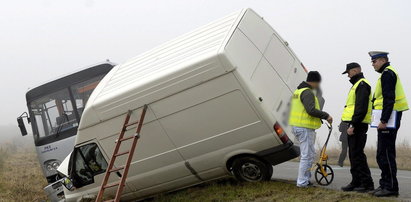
339,168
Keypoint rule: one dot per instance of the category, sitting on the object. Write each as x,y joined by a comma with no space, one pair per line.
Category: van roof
147,73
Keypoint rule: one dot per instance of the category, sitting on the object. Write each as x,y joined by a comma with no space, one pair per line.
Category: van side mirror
67,183
20,123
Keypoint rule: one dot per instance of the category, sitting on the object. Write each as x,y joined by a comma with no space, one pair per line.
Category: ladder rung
126,138
111,185
122,153
132,123
116,169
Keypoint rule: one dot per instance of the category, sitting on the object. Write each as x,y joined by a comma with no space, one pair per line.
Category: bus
54,112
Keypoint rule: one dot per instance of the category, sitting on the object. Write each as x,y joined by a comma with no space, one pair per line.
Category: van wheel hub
251,171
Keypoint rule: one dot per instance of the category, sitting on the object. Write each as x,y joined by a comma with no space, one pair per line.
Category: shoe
385,192
364,189
310,184
375,190
341,164
349,187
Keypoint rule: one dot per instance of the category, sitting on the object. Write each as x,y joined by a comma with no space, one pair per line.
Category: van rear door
284,61
289,69
279,58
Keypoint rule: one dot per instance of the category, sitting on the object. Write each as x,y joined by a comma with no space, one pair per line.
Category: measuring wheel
325,178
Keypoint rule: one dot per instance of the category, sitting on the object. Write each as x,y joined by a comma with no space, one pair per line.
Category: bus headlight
55,165
51,165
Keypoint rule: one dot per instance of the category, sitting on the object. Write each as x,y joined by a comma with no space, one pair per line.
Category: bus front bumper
55,191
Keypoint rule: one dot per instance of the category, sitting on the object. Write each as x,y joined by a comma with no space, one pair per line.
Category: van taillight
280,132
305,69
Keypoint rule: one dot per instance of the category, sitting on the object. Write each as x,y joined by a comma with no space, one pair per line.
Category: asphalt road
288,171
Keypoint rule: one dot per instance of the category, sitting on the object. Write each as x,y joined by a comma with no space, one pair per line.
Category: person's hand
350,131
382,126
330,119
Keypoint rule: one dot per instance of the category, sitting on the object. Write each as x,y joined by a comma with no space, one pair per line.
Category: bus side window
82,92
88,162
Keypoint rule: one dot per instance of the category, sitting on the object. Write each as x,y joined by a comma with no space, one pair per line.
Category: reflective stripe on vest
299,116
350,104
400,99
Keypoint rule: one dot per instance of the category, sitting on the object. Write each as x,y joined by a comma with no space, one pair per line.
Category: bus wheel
251,169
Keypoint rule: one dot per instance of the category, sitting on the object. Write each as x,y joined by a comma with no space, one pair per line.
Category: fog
41,40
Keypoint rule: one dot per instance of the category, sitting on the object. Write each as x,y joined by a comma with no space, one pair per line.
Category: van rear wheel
251,169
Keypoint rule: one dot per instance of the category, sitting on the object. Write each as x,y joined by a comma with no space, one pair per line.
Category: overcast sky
41,40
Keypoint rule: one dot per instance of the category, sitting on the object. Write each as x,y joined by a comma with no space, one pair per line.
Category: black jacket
362,98
308,100
388,82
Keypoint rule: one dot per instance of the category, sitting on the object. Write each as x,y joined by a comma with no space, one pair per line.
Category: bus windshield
61,111
53,113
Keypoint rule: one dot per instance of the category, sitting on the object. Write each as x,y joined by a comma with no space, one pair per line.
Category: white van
217,100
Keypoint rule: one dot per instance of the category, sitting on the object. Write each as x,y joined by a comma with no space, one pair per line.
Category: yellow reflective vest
299,116
350,104
400,99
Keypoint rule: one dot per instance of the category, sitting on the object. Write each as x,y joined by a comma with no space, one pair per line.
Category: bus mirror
20,123
22,127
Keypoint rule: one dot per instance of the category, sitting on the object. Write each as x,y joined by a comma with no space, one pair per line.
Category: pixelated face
315,85
352,72
377,63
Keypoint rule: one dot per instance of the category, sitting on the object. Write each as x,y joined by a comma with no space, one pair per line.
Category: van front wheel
250,169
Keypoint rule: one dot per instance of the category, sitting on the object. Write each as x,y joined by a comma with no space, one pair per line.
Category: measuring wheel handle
326,178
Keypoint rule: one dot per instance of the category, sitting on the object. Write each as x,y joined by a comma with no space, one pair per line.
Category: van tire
251,169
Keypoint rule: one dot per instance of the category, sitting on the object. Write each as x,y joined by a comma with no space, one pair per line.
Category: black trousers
360,171
386,155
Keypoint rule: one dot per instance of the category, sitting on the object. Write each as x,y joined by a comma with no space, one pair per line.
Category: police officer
305,117
357,115
389,95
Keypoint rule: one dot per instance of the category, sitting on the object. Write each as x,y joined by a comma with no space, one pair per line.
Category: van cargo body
213,95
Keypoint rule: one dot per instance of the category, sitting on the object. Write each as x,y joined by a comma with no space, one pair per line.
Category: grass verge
231,190
20,176
21,180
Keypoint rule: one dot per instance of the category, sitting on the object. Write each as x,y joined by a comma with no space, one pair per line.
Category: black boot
364,188
349,187
375,191
385,192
